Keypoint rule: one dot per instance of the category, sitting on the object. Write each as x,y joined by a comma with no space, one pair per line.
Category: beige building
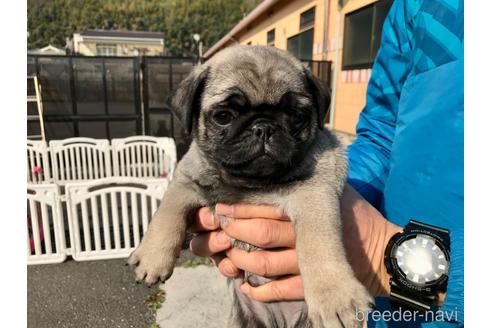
345,33
118,43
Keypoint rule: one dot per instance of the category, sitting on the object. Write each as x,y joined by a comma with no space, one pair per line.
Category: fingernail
223,209
209,220
229,269
222,238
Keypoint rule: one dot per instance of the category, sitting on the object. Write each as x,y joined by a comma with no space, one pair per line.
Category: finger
265,263
264,233
284,289
207,244
246,211
227,268
204,221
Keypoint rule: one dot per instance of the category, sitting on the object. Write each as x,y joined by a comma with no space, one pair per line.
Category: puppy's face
253,111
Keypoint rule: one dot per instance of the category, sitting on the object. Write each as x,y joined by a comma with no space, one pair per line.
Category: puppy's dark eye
300,119
222,117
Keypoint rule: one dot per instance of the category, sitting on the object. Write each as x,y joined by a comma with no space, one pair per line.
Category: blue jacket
407,159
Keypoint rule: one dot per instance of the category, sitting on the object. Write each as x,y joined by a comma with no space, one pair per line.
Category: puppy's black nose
263,130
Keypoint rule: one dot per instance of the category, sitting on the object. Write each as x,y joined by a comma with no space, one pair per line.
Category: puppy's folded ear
321,97
185,101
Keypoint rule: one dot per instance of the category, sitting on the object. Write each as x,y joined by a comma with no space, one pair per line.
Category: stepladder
34,96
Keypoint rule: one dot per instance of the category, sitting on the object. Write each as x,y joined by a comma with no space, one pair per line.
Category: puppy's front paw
345,305
152,264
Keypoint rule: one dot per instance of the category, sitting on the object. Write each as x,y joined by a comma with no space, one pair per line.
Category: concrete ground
103,294
195,297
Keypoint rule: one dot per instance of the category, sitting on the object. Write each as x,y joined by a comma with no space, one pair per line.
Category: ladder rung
37,99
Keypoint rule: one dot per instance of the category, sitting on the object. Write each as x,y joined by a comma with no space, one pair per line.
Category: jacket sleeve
369,155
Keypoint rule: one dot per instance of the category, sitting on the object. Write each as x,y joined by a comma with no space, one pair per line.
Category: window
106,50
301,45
271,37
307,18
362,35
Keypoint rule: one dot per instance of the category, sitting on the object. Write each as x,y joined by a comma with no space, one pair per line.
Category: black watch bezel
398,276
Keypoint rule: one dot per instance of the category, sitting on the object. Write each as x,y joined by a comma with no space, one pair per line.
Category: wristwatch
417,260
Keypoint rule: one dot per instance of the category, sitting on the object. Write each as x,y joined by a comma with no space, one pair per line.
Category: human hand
366,233
264,226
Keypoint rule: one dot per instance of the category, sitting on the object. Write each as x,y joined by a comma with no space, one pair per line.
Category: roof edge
121,34
254,14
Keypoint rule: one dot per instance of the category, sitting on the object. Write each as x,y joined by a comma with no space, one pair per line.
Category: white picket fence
106,215
143,156
98,209
38,162
45,238
80,159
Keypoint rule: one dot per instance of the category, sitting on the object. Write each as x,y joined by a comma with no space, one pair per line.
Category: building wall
285,18
350,85
89,47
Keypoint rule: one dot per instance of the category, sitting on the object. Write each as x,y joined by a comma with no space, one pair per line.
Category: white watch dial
421,260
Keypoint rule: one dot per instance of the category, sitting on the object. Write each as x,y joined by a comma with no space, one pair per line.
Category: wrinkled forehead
258,82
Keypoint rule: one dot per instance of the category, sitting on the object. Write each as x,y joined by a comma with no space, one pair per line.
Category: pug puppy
256,116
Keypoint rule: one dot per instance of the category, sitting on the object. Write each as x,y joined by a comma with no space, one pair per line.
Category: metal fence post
105,92
137,94
73,96
144,94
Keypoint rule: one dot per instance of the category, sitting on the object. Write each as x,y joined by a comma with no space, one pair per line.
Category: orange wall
351,84
285,18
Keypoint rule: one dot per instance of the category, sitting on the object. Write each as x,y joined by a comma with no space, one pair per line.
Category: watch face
421,259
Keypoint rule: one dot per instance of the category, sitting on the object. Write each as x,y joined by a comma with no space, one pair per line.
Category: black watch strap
420,303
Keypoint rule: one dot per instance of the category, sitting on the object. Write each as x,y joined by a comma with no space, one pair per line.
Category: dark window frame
310,23
373,48
271,37
298,35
